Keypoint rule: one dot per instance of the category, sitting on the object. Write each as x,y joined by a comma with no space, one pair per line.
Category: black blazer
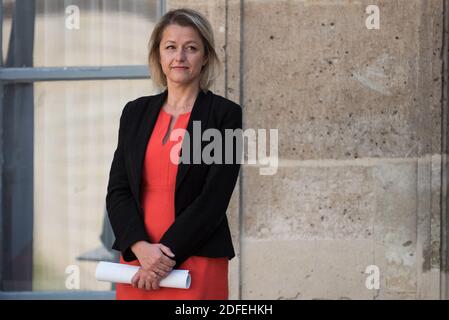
203,191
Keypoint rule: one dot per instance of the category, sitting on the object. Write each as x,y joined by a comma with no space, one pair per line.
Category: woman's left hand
146,279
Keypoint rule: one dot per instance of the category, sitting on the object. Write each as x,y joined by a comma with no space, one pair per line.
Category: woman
170,212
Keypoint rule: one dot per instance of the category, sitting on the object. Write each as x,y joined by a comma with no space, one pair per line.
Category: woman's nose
180,55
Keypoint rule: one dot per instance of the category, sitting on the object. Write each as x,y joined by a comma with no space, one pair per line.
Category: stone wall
359,113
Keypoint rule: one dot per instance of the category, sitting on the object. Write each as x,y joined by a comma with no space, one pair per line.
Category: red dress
209,276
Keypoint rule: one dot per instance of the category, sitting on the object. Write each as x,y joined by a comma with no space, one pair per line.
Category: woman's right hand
154,257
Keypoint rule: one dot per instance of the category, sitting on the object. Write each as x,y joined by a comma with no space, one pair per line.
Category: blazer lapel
143,134
200,112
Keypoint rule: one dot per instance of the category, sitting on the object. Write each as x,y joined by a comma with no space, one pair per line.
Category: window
68,68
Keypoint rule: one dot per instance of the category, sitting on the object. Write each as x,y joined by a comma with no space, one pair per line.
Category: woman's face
181,54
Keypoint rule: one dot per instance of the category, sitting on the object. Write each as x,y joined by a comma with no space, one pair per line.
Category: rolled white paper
123,273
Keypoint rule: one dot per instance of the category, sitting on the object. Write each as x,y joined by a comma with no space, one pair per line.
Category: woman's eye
190,48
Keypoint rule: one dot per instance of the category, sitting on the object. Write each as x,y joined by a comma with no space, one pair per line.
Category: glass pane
8,6
76,127
93,33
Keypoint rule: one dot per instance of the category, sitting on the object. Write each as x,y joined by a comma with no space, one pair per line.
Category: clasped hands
155,264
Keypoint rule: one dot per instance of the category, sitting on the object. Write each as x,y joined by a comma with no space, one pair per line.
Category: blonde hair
186,18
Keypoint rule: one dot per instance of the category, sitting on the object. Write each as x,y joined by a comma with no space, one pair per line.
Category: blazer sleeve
124,216
204,215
